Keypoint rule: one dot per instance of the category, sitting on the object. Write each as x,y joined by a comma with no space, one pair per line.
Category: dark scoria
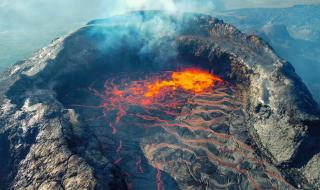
257,130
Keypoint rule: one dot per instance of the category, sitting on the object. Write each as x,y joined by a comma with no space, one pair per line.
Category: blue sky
234,4
19,13
229,4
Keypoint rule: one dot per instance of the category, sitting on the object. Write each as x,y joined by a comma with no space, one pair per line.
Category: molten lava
157,91
192,80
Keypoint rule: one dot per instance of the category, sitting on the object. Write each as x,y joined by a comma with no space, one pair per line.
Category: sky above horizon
236,4
162,4
21,13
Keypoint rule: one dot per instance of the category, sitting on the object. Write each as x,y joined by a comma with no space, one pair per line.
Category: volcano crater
84,101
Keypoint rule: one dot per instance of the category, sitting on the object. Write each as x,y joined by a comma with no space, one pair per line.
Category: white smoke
168,5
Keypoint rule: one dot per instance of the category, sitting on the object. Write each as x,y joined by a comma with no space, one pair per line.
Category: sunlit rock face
109,107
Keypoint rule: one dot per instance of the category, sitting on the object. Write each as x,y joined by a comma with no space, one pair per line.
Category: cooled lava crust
155,100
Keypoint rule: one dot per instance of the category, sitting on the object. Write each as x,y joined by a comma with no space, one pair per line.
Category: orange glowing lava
192,80
157,91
